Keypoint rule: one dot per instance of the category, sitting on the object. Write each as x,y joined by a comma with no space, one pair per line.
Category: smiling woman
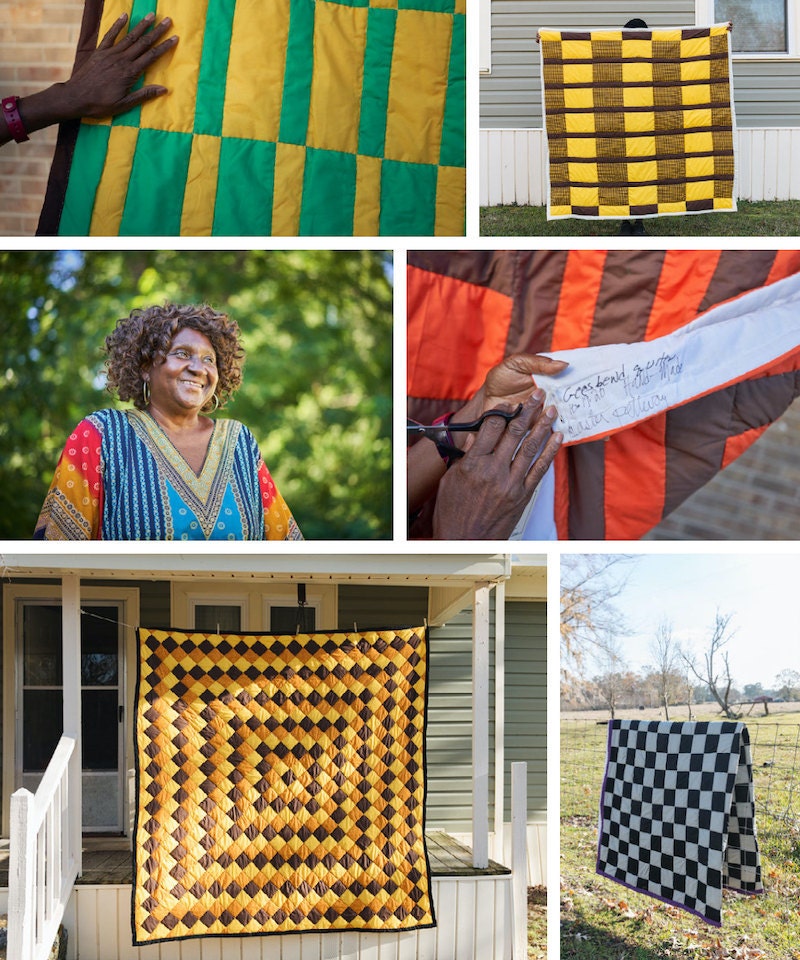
163,470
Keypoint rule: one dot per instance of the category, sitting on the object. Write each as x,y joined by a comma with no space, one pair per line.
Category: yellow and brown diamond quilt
639,123
281,784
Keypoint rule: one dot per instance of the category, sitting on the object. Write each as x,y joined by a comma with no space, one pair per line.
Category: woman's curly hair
144,338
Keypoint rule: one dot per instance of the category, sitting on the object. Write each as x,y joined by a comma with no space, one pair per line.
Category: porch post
519,858
71,654
480,727
499,718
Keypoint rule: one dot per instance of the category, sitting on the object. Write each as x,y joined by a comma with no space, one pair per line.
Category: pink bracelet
13,120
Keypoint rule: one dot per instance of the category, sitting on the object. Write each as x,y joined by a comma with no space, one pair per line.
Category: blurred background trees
317,391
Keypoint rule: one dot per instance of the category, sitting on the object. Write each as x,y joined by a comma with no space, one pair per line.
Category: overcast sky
762,593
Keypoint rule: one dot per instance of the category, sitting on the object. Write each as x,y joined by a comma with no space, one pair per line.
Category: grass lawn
762,219
537,923
602,920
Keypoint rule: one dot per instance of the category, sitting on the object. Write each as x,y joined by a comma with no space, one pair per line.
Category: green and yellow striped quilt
284,117
639,122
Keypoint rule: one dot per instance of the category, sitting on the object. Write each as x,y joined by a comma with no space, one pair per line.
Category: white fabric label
607,388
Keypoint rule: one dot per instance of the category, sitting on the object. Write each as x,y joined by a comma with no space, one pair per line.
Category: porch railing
43,860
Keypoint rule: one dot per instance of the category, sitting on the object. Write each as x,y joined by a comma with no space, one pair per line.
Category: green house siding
381,607
767,92
450,715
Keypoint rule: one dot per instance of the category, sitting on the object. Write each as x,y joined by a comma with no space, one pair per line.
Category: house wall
450,715
37,47
767,92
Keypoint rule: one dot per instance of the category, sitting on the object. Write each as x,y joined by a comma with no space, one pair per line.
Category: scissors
439,432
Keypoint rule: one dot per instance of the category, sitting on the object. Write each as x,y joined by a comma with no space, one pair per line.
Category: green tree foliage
317,328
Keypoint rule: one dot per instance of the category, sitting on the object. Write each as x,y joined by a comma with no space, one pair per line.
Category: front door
102,685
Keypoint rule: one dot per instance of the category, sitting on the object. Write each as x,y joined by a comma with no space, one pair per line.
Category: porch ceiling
177,564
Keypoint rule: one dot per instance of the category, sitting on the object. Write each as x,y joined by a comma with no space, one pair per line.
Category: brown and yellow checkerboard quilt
281,784
639,122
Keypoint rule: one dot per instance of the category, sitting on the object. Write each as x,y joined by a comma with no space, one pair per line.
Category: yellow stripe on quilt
461,7
366,210
340,38
178,69
450,201
417,86
197,216
112,11
254,91
290,161
109,201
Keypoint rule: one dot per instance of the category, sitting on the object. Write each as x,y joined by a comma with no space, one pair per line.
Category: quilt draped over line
639,123
281,784
677,813
286,118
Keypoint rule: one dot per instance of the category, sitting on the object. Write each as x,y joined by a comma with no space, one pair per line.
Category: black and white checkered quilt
677,817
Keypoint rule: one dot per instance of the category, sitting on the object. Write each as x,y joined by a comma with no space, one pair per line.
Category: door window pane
759,26
99,641
41,652
42,720
100,729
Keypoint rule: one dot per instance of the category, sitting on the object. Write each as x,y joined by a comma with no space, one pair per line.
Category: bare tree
666,658
715,671
610,682
590,623
787,683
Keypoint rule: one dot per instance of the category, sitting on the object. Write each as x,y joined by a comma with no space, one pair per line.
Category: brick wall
756,498
37,47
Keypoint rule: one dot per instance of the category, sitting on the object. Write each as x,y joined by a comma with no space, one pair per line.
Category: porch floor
448,858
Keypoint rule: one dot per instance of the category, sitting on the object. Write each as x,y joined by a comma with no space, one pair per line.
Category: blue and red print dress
120,478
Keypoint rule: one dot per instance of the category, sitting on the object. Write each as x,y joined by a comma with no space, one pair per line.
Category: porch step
58,951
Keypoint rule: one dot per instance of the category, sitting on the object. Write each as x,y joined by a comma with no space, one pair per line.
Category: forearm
40,110
425,467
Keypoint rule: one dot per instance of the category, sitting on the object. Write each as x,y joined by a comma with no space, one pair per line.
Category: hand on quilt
483,495
100,87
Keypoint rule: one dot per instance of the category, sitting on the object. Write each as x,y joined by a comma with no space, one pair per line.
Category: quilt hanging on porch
677,816
281,784
639,123
284,118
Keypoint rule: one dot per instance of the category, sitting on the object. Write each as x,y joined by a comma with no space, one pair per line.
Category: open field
602,920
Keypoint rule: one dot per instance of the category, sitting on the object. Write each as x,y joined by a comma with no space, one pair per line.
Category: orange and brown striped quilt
281,784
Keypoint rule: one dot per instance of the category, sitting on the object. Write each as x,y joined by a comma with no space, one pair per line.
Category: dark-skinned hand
483,495
100,88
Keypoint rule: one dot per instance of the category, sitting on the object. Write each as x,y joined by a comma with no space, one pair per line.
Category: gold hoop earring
146,392
215,398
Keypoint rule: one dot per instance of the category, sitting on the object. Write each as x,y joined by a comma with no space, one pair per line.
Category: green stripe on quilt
454,130
245,187
299,68
88,161
435,6
375,88
132,118
211,80
408,199
329,194
160,163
